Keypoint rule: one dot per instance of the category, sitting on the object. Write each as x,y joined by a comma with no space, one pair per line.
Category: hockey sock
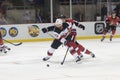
1,42
50,52
113,32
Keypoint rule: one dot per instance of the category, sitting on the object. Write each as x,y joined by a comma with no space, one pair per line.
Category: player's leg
75,50
113,28
105,32
86,51
74,53
55,44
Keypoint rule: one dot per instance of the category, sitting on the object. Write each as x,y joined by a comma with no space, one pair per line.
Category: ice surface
25,62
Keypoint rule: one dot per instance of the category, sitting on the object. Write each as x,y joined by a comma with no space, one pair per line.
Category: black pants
110,27
56,43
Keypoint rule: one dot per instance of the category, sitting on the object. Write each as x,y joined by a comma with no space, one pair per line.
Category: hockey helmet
58,23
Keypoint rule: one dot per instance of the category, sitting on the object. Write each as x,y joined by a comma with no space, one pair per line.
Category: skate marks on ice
52,61
21,62
71,61
2,53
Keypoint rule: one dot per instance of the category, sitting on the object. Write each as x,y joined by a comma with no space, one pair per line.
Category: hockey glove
44,30
107,21
81,26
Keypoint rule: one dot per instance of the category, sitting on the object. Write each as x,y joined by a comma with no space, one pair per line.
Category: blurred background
46,11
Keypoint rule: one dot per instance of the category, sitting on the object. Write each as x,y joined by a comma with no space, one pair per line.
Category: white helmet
58,23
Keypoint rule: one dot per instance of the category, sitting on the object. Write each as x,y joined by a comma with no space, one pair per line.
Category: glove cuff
63,40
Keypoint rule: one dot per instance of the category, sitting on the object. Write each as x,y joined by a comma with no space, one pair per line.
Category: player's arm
47,29
62,36
107,21
79,25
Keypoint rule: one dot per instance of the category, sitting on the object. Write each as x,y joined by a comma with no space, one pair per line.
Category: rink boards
33,33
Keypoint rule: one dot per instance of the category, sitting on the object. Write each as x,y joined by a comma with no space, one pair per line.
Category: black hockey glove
107,21
44,30
81,26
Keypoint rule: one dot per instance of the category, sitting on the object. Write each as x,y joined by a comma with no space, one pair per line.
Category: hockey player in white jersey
65,34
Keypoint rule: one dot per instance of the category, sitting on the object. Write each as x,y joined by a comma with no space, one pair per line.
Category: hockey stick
65,56
62,46
12,43
50,35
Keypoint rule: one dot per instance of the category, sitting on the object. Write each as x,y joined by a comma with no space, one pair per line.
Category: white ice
25,62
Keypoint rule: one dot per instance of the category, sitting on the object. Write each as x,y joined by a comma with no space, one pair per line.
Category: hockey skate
81,56
110,39
77,59
46,58
4,48
102,38
92,55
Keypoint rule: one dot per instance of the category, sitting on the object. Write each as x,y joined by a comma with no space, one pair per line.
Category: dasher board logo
99,28
13,31
34,30
3,31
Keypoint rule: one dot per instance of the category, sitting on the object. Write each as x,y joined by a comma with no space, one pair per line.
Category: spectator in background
114,0
2,20
4,5
54,18
38,2
47,18
97,17
103,12
30,1
118,13
27,16
38,16
117,10
77,16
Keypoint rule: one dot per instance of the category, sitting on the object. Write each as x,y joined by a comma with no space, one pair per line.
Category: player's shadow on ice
72,61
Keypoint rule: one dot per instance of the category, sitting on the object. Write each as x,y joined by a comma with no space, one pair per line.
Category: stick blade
18,44
61,63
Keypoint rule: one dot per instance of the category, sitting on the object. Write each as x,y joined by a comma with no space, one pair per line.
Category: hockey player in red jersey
3,47
111,24
72,22
65,34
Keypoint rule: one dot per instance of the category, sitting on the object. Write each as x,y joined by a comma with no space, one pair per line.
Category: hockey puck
61,63
48,65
